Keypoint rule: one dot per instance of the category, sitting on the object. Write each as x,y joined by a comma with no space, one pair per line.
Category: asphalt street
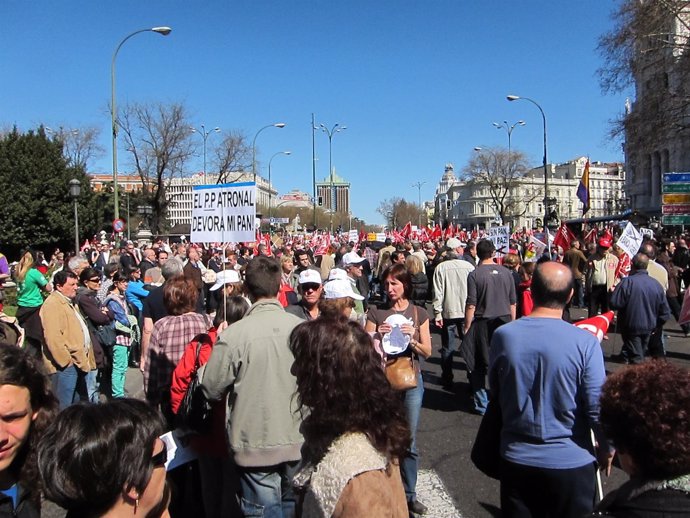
448,480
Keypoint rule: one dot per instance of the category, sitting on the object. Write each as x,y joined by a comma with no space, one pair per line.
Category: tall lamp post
270,194
275,125
335,129
204,135
418,185
546,177
74,192
509,129
164,31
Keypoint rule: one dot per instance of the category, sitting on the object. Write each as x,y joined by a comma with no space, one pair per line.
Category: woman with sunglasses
106,460
96,315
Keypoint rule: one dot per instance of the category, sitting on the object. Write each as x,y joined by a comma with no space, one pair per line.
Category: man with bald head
545,376
642,308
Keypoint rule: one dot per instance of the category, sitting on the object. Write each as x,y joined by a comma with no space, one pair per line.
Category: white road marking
432,493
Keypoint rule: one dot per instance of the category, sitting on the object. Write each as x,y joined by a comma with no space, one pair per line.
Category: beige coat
353,480
64,338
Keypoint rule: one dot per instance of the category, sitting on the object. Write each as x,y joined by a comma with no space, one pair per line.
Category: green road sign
676,220
675,187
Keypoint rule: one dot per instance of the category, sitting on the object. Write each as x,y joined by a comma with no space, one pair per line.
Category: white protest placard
353,236
647,232
224,213
380,236
500,237
630,240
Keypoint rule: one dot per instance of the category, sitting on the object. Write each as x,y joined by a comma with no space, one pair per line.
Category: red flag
436,233
591,236
407,229
564,237
597,325
624,266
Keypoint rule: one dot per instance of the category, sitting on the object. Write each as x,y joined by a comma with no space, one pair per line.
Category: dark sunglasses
97,279
159,459
310,287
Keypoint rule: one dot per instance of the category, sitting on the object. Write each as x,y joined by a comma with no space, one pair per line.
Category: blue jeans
455,326
267,491
480,397
410,463
92,386
65,385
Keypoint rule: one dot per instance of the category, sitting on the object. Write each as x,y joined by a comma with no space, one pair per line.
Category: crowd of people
308,366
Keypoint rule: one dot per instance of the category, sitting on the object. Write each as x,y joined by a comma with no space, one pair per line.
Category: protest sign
224,213
500,237
647,232
353,236
630,240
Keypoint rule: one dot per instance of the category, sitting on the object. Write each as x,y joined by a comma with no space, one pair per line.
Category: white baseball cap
338,289
309,276
337,273
352,258
224,277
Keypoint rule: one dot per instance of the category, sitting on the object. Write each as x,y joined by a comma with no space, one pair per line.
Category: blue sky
417,83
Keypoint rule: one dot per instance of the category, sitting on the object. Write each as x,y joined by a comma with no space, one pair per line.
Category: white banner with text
224,213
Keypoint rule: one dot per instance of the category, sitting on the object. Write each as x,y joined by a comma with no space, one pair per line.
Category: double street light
546,176
509,129
163,31
335,129
204,135
270,193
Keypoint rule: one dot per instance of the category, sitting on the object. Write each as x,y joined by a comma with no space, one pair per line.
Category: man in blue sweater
642,307
546,376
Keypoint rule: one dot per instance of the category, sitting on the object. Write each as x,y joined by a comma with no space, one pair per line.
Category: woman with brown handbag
404,328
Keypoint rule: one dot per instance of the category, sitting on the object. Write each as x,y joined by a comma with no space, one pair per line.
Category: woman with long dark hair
354,427
30,283
27,407
106,460
401,316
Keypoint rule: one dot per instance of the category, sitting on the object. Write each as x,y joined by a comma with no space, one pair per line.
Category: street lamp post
546,177
270,194
74,192
204,135
275,125
509,129
164,31
335,129
418,185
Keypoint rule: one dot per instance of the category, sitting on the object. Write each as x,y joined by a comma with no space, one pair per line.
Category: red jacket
525,302
214,443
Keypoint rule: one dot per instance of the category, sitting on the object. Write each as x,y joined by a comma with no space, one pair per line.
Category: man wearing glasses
310,289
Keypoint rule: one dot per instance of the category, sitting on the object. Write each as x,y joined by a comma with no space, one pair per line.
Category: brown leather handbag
402,371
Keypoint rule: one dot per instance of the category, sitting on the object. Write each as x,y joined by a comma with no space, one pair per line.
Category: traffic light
320,201
448,204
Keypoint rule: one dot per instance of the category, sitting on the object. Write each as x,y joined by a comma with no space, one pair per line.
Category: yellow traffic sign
670,199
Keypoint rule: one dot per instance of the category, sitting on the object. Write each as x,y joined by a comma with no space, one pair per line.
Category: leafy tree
502,172
398,212
160,143
35,206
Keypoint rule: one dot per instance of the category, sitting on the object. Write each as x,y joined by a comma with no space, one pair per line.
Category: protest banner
500,237
630,240
224,213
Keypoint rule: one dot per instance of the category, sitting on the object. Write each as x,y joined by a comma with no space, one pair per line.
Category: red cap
605,242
